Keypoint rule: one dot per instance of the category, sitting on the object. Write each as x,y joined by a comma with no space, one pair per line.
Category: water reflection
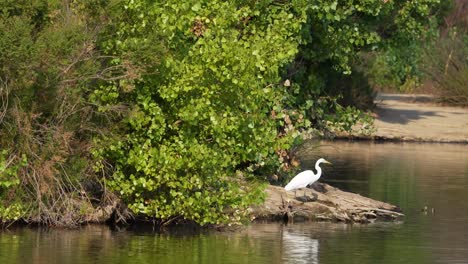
299,248
410,175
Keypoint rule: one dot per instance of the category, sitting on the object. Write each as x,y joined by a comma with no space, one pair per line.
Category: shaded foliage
47,59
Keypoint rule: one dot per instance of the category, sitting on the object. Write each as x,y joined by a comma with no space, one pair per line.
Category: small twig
170,220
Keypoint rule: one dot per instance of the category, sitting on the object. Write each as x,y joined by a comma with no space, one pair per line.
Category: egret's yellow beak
326,161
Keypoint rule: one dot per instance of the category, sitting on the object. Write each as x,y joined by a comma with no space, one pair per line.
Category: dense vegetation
178,110
434,62
49,65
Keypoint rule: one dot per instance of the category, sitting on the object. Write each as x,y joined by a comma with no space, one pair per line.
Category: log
323,203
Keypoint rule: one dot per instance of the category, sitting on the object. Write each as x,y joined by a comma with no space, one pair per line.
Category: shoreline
415,118
327,204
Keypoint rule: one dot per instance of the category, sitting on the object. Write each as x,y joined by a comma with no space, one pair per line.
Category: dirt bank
418,118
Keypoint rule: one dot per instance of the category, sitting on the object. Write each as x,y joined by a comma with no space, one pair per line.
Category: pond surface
409,175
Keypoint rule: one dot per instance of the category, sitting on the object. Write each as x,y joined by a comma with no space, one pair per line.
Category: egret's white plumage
302,180
306,177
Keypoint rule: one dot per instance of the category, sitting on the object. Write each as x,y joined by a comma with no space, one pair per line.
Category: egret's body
301,180
305,178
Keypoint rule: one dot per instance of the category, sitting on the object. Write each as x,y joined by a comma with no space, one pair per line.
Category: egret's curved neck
318,169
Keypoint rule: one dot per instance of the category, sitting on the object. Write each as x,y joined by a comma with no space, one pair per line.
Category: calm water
410,175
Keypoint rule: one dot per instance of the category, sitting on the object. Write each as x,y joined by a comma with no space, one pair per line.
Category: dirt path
416,118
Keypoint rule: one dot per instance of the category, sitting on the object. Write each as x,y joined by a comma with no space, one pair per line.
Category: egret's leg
305,189
295,193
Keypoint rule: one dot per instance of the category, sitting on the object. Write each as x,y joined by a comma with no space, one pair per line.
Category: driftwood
323,203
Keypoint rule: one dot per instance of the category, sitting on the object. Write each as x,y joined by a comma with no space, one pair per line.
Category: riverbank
322,203
403,117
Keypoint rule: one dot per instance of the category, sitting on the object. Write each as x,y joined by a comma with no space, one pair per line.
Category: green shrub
11,208
204,108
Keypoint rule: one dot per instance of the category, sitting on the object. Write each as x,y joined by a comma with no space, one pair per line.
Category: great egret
305,178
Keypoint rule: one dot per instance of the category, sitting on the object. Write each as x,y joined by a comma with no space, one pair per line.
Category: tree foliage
200,120
397,64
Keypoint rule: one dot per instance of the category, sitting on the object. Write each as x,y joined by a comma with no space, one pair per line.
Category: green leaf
196,7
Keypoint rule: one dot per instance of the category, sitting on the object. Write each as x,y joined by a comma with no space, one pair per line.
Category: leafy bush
200,120
10,206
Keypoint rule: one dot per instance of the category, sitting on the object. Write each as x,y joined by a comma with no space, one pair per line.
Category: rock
326,204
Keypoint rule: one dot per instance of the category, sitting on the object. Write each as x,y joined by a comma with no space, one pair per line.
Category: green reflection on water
97,244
